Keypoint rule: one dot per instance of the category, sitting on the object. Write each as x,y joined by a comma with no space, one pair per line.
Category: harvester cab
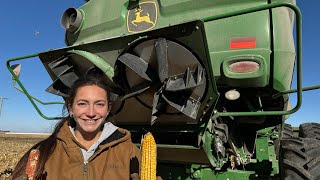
209,79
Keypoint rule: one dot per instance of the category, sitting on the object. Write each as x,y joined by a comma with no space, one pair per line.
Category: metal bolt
196,174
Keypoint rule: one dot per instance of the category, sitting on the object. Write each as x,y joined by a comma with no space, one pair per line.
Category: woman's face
90,108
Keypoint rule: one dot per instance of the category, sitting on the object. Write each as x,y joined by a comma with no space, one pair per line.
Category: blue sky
20,20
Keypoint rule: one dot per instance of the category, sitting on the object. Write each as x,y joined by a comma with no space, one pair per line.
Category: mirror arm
24,91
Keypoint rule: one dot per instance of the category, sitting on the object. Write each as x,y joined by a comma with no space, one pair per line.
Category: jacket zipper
85,170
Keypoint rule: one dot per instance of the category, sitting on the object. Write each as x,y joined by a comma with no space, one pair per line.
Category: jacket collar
70,142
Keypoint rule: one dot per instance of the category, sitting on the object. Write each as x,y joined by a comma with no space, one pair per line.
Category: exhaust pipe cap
71,19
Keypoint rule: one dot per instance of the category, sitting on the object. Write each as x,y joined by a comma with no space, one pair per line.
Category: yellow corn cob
149,158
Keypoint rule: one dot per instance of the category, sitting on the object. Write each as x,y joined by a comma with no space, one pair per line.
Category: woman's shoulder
116,135
120,137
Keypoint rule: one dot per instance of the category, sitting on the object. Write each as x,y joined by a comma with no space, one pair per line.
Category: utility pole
1,101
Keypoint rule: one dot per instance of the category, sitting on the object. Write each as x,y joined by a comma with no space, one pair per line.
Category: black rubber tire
299,159
310,130
287,133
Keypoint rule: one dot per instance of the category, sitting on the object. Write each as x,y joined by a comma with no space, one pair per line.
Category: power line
1,101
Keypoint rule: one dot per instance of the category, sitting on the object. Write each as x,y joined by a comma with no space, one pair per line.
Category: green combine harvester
209,78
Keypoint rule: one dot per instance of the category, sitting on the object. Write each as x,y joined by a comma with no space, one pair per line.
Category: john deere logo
142,17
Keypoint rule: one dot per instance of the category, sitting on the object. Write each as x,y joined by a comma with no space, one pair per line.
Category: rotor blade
58,88
157,106
68,76
185,81
64,72
59,66
186,105
138,65
136,90
155,114
162,58
199,72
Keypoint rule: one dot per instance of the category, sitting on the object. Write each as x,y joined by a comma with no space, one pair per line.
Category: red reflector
244,67
243,42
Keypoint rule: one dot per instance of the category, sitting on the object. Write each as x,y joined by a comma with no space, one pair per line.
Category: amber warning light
243,42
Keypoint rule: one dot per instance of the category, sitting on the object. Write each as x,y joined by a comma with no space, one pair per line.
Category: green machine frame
109,70
265,162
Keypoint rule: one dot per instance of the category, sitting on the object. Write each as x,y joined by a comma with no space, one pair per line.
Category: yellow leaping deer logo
140,18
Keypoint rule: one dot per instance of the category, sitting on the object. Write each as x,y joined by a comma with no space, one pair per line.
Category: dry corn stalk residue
13,147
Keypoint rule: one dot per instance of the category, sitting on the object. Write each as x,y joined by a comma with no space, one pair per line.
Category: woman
84,145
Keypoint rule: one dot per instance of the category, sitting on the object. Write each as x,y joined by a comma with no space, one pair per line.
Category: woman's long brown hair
45,147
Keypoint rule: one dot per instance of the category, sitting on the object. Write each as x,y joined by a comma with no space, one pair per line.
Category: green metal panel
220,32
103,22
284,50
265,150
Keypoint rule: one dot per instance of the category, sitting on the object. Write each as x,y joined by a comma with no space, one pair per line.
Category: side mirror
16,68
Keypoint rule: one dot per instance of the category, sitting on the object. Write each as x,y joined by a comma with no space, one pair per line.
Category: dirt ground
12,148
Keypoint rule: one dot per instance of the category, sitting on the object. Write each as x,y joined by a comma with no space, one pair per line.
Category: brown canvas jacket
116,158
